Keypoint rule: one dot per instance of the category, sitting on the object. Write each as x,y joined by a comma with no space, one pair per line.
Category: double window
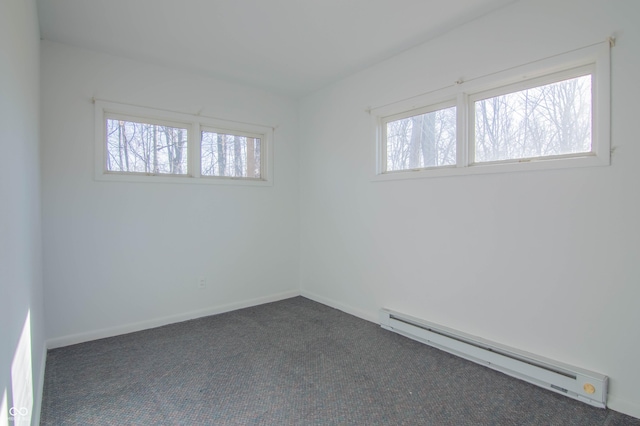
548,114
142,144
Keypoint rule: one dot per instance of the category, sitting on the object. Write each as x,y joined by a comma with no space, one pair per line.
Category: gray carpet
293,362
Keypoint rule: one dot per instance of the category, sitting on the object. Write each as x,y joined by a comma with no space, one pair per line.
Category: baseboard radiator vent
574,382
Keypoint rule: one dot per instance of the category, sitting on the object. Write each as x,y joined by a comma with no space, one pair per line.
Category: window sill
205,180
498,167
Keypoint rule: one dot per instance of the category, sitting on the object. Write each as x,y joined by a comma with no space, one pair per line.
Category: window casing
139,144
524,129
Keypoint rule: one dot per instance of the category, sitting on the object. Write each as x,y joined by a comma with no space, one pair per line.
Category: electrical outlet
202,283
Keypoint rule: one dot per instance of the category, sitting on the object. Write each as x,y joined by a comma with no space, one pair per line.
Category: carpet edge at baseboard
72,339
367,316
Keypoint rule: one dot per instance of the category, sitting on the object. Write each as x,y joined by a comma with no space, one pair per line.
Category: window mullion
195,147
382,154
464,148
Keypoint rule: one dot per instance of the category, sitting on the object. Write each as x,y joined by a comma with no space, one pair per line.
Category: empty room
319,212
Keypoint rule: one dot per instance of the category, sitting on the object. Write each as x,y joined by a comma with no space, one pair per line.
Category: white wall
126,256
543,261
21,311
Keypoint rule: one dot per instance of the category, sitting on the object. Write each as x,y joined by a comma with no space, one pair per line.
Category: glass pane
427,140
542,121
229,155
146,148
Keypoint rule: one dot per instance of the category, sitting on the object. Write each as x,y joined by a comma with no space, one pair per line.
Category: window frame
556,68
194,124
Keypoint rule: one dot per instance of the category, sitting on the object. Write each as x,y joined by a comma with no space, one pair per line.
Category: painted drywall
121,256
21,311
543,261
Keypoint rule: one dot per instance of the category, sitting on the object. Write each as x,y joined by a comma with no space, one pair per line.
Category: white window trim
194,124
462,94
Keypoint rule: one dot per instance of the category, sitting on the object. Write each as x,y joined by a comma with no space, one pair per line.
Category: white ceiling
292,47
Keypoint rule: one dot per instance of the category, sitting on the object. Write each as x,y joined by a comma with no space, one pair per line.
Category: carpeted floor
293,362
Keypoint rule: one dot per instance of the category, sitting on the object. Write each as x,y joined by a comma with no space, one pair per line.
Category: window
230,155
146,145
143,147
548,114
540,121
421,140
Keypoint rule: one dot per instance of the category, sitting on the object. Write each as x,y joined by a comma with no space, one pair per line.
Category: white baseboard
368,316
623,406
158,322
37,401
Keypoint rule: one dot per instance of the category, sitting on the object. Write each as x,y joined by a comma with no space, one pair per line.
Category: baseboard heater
574,382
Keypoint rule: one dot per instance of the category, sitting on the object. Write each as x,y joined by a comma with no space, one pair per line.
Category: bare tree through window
146,148
549,120
420,141
227,155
